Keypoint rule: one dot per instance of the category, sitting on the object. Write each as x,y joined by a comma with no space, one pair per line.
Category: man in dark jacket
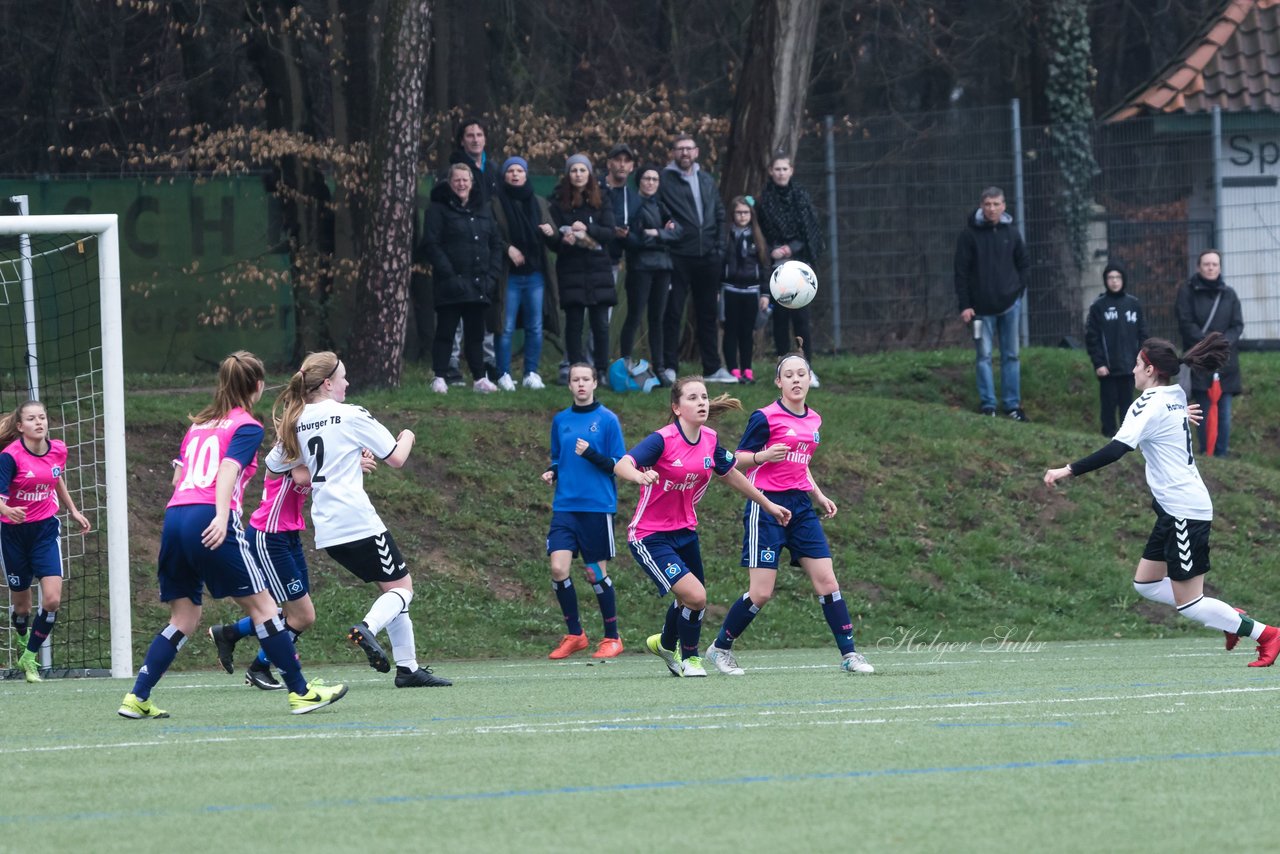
1206,304
1114,332
469,148
990,275
693,199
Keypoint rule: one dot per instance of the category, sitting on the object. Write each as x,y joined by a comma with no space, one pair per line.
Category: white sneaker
506,383
533,381
669,377
724,661
855,663
692,666
813,380
439,386
721,376
484,386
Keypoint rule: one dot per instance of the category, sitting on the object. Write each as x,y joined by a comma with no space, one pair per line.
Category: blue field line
655,785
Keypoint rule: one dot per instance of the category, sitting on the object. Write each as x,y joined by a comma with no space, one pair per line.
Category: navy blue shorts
763,537
1181,544
668,557
583,533
372,559
185,564
30,550
283,563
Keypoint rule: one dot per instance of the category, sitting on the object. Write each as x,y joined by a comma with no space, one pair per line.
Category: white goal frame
106,228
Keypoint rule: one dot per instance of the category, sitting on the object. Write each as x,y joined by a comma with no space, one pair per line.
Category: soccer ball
793,284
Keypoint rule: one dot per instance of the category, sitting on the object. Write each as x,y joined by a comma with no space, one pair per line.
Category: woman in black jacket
584,268
651,229
789,222
1206,304
465,252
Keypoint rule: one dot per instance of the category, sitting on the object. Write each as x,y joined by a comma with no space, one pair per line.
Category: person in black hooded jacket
1114,333
1206,304
465,252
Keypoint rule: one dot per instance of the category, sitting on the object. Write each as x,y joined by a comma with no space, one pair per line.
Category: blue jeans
522,292
1221,446
1006,326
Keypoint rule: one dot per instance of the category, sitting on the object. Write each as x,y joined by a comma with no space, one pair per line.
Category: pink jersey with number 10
203,449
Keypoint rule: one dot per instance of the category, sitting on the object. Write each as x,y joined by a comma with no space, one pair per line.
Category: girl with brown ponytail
1176,558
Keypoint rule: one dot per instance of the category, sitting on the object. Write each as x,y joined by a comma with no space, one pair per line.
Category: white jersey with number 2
332,436
1157,425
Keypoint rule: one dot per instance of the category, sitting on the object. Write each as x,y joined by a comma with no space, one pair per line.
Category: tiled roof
1234,63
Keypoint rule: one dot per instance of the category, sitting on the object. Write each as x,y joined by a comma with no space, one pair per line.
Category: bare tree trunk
768,106
300,186
386,241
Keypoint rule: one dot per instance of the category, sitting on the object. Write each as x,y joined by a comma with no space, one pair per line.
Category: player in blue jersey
203,543
776,450
32,490
1173,565
586,443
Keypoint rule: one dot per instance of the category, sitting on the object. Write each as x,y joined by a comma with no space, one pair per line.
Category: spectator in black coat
582,233
1206,304
465,252
1114,332
789,222
650,231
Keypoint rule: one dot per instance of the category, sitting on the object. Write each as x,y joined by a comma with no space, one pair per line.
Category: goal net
60,343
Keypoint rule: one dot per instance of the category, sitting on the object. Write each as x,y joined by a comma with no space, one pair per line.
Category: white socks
387,607
1213,613
403,649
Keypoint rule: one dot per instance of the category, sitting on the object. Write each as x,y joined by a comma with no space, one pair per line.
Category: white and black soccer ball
793,284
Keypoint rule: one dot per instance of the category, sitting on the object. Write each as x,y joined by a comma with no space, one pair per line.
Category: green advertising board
202,271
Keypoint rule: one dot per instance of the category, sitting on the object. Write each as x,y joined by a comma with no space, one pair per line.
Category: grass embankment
944,524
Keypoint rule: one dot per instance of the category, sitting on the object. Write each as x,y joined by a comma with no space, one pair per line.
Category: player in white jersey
1176,558
318,430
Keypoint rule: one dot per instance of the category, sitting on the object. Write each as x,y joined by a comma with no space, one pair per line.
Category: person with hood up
1206,304
1114,333
991,268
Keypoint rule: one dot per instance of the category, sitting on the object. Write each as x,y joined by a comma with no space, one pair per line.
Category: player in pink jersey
31,491
777,446
274,531
674,467
203,545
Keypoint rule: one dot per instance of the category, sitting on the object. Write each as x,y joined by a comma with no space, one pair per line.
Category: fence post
1217,176
833,231
1019,212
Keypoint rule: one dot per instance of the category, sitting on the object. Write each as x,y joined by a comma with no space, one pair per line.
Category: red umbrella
1211,417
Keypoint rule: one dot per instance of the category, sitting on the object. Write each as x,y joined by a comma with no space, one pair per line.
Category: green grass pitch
1078,746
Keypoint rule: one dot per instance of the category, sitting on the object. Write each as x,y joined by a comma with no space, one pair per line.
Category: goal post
87,384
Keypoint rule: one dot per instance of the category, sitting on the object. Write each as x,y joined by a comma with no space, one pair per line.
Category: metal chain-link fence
904,186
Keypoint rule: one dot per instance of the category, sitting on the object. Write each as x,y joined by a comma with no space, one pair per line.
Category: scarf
786,214
521,210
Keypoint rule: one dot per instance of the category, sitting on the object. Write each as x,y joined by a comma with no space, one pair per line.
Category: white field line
867,714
